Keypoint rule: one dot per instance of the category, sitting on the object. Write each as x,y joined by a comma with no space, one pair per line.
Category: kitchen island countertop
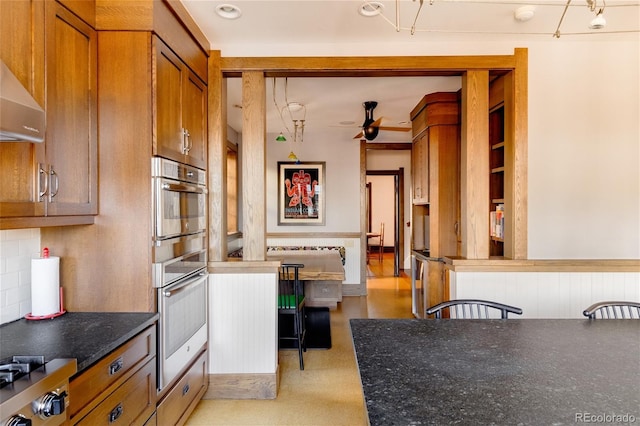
85,336
514,371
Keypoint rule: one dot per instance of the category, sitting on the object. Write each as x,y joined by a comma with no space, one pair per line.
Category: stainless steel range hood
21,118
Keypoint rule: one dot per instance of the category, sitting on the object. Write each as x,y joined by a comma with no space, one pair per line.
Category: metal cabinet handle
186,141
116,366
54,178
43,181
115,413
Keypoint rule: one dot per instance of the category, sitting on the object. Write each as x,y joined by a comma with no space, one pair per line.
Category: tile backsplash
17,248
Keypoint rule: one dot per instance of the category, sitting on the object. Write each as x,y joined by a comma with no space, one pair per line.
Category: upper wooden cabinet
71,135
54,182
180,99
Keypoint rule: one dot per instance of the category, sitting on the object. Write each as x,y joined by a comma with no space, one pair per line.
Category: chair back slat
472,309
613,310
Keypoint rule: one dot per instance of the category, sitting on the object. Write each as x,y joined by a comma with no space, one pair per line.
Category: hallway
328,391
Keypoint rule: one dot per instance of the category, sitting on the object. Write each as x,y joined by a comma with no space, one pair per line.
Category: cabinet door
71,135
169,141
22,22
194,117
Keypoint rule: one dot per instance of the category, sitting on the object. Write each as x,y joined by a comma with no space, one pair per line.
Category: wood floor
328,391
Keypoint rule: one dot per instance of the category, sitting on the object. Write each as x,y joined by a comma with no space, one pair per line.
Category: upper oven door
180,208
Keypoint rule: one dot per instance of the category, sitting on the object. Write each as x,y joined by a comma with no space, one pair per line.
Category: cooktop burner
18,366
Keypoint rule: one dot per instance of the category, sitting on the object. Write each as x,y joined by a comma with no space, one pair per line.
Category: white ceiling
335,28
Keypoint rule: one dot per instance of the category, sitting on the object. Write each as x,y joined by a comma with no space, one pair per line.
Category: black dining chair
291,302
613,310
471,309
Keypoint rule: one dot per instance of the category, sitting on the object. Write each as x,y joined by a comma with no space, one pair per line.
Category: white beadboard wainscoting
352,255
243,323
243,330
546,294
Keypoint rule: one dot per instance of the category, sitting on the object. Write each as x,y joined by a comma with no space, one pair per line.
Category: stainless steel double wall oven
179,264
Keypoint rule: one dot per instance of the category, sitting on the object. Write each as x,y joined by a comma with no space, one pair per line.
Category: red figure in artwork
299,189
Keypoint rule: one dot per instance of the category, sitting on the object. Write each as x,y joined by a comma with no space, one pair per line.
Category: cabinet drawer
130,404
111,371
182,399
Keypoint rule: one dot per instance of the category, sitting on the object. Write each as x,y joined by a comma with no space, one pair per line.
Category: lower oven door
183,325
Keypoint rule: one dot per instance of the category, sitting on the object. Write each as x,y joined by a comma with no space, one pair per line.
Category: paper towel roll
45,286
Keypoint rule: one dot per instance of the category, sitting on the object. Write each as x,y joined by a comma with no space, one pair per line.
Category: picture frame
301,196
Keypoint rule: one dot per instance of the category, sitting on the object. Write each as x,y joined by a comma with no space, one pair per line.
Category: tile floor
328,391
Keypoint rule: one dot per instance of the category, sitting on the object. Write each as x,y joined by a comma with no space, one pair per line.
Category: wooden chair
613,310
291,301
472,309
376,242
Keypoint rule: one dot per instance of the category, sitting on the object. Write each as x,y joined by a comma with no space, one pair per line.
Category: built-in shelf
497,169
497,145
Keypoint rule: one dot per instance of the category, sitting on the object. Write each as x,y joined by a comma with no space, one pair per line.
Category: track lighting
598,22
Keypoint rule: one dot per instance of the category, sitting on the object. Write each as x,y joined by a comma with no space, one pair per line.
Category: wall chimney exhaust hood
21,118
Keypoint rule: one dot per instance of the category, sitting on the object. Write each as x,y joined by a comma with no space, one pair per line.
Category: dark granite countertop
86,336
505,372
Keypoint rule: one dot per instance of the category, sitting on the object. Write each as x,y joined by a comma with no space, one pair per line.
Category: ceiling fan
371,127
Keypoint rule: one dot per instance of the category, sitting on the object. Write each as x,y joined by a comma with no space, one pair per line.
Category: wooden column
519,131
217,164
474,184
254,210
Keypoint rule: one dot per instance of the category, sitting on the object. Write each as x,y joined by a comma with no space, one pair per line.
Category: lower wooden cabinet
133,403
120,388
182,399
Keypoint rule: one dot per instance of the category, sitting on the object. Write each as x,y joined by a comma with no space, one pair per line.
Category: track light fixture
596,23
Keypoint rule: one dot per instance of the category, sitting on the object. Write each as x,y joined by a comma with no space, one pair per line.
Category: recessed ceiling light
370,8
228,11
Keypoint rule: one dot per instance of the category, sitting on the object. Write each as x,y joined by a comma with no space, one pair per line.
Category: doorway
385,206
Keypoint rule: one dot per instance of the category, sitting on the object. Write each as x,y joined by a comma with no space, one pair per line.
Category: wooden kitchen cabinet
178,404
181,105
436,118
55,182
120,388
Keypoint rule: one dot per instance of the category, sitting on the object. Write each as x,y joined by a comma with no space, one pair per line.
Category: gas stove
34,391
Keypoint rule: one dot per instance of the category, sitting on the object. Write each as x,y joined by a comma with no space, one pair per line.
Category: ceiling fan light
598,22
370,9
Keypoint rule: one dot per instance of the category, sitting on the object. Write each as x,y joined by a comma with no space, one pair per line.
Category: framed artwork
301,199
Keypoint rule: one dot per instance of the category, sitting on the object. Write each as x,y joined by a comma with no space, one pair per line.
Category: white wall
17,248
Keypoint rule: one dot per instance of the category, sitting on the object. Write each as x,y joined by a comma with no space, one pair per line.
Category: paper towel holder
50,316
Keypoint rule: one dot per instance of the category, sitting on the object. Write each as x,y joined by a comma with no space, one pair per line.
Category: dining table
499,372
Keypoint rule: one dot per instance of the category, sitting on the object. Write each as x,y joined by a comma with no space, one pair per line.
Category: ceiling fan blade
395,129
359,135
376,123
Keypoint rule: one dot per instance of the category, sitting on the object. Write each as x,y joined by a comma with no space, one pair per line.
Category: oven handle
177,288
180,187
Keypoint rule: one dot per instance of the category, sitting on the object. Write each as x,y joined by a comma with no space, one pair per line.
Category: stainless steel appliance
34,392
179,265
180,195
419,278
